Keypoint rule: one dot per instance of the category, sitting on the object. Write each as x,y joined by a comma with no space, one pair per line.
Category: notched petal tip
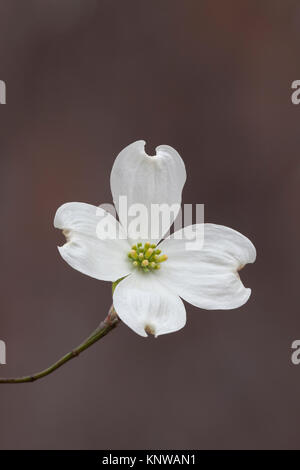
67,234
139,144
150,330
238,269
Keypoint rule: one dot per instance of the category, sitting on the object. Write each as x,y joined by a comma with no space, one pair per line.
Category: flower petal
147,180
147,306
87,249
208,278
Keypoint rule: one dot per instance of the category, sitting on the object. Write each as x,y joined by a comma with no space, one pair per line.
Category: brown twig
108,324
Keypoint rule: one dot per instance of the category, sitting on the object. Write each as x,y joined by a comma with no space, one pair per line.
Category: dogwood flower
151,278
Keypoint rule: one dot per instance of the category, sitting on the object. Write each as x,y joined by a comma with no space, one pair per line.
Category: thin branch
108,324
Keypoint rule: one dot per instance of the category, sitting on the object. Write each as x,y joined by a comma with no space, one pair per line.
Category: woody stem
108,324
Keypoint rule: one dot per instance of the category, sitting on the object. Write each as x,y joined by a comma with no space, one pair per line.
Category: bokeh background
212,79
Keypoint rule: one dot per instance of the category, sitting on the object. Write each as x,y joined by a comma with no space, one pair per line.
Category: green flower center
147,257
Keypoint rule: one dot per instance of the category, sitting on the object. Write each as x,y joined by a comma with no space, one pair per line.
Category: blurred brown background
212,79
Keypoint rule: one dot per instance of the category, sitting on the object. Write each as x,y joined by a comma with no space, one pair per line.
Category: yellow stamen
147,257
149,253
133,254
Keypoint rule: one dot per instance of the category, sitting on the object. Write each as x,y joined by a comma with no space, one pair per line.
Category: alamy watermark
2,92
295,357
2,352
141,222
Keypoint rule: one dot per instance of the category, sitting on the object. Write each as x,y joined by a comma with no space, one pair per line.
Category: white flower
151,302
